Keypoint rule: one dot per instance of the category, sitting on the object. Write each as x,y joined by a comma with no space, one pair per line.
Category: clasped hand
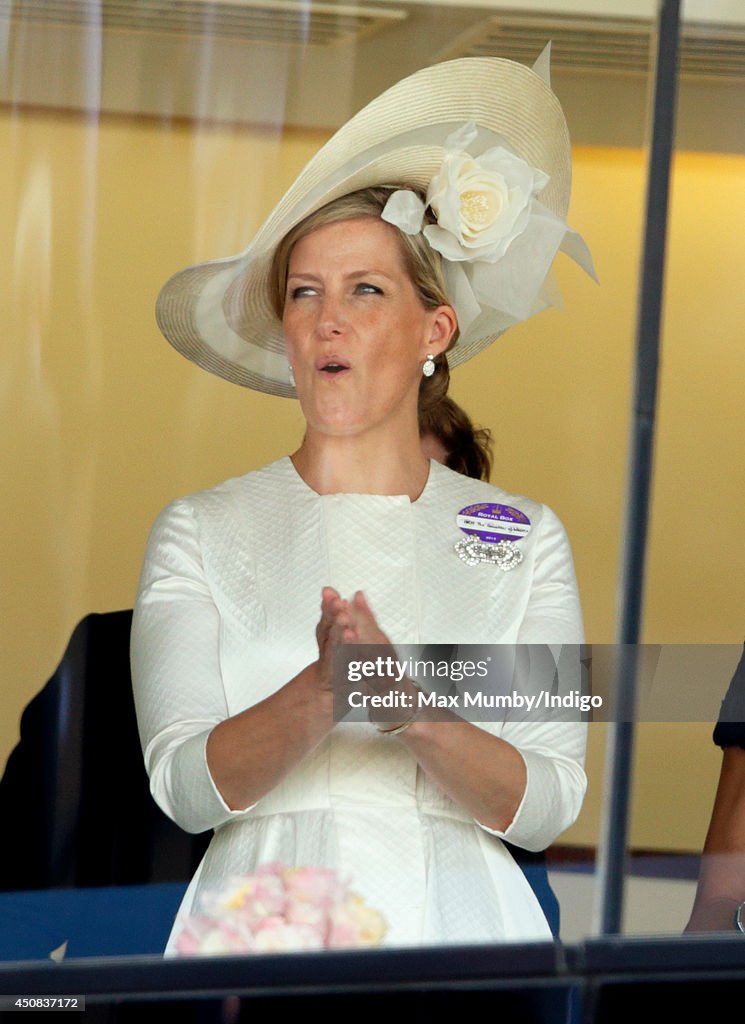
344,623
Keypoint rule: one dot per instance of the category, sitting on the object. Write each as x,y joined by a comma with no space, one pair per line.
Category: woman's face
355,329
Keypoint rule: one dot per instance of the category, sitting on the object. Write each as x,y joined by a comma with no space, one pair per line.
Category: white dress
228,602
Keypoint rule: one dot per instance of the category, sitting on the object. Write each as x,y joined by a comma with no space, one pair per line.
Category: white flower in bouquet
278,909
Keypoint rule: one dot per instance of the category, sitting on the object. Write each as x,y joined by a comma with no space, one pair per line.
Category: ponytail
469,448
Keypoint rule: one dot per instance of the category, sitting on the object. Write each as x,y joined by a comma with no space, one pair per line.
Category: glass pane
139,141
698,456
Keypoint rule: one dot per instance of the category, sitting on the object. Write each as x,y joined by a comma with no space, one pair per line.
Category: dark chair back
75,795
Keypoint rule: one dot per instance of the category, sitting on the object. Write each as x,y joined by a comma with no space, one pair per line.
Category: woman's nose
331,318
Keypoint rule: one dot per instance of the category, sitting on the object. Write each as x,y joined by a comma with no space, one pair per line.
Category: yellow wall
103,423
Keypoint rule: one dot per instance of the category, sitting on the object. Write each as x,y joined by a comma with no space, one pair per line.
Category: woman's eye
302,290
365,288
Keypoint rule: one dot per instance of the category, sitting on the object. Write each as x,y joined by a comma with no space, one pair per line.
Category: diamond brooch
504,553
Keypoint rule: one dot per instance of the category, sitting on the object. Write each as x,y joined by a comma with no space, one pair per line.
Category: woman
349,298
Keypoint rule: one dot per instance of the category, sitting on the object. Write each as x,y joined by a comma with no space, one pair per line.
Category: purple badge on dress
491,532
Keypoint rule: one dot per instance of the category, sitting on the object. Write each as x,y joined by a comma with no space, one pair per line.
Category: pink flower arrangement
277,909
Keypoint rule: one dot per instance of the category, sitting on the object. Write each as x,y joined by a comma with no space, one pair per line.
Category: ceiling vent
272,21
580,43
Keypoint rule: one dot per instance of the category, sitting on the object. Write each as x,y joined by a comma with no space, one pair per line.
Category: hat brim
218,313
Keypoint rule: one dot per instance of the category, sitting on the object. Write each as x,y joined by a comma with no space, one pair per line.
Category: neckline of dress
397,498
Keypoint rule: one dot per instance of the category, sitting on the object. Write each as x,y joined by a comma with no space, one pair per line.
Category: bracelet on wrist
740,917
398,729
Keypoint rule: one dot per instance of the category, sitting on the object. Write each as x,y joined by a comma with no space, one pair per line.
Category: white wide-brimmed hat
484,139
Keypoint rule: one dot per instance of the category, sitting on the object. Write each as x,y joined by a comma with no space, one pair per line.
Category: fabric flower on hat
481,203
496,238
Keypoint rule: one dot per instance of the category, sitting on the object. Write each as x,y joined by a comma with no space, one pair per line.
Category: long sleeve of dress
553,749
730,729
176,672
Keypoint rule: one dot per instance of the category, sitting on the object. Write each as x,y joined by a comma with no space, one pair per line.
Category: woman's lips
333,367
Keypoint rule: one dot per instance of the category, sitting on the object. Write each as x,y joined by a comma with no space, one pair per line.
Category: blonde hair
423,265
